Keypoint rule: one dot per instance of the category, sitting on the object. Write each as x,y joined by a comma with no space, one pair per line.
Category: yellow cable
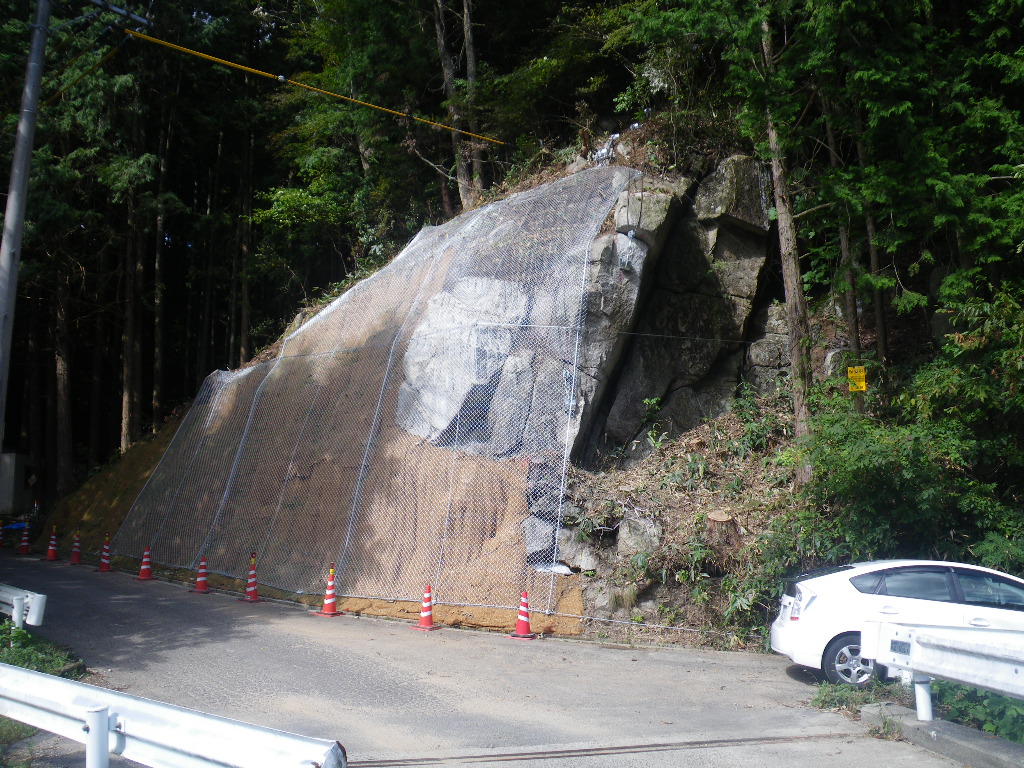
110,54
283,79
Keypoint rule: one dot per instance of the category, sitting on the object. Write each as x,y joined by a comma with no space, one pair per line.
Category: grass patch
11,732
992,713
20,649
850,699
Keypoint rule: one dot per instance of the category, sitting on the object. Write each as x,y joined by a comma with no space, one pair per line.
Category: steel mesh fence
413,432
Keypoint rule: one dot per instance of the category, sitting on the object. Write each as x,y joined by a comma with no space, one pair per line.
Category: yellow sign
857,378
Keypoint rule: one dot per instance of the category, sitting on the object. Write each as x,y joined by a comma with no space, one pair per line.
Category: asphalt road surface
397,697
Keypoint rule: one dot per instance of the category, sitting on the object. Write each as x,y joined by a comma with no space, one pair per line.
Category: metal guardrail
22,606
985,658
150,732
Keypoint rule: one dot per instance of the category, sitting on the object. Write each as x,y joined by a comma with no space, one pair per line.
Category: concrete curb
957,742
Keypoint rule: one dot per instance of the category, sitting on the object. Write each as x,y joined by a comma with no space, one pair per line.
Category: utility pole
14,216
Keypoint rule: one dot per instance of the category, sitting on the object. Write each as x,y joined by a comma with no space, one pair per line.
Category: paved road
398,697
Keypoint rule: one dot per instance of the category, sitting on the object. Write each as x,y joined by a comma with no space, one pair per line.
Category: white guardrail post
97,728
992,659
24,607
150,732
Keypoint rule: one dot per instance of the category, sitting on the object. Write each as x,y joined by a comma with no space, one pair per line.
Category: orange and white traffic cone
201,586
76,549
51,550
330,599
146,569
105,556
23,546
523,622
252,595
426,612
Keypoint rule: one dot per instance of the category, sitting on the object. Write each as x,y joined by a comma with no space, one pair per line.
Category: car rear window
923,585
867,582
792,581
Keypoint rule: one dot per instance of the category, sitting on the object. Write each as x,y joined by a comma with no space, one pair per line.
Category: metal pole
19,612
97,742
923,696
14,217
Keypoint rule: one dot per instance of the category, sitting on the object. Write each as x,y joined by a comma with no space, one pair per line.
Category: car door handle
888,610
979,623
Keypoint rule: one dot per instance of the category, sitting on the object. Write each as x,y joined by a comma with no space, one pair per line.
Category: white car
823,610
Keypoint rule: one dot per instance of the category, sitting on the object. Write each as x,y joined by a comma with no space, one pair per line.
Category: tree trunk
35,397
244,250
100,350
468,194
796,304
471,77
65,461
163,141
205,343
129,344
874,266
846,262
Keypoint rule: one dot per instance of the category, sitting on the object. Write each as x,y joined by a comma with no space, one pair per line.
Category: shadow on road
142,621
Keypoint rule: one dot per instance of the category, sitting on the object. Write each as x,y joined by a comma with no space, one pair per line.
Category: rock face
668,305
461,370
668,297
687,356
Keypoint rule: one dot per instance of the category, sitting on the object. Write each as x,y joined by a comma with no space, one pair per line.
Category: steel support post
14,216
18,612
923,696
97,743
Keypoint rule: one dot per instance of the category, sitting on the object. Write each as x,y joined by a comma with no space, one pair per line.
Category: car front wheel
843,664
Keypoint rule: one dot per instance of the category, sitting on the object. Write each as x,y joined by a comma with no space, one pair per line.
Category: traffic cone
23,547
105,556
201,588
76,550
252,595
523,623
51,551
146,569
330,601
426,612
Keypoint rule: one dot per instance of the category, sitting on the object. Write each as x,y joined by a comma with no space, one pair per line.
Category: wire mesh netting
417,430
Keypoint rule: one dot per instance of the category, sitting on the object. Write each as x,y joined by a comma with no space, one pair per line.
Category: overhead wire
73,60
297,84
109,55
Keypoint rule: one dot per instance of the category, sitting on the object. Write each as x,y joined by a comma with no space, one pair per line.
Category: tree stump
723,535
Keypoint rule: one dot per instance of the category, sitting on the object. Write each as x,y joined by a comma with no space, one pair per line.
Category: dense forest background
181,212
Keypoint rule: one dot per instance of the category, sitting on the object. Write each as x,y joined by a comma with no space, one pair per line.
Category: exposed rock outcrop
687,354
420,427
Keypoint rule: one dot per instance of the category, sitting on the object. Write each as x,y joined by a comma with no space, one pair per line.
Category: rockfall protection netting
417,430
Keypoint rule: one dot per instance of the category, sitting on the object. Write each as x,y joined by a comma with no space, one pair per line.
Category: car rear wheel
843,664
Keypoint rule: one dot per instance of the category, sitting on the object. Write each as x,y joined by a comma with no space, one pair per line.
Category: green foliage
991,712
11,732
934,468
656,439
651,406
851,698
21,649
591,523
762,427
